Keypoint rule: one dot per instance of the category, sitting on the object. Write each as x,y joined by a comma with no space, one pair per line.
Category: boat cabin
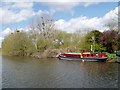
95,55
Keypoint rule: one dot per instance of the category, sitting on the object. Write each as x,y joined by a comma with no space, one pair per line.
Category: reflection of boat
83,56
118,56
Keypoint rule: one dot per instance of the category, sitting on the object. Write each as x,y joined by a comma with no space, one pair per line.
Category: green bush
17,43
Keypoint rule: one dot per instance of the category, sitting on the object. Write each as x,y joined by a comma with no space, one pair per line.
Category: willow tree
17,43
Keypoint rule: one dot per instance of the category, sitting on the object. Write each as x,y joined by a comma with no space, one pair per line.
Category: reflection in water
52,73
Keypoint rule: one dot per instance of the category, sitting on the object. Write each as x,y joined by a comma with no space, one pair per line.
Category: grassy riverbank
111,56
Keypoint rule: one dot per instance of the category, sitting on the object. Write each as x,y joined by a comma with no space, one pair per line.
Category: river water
24,72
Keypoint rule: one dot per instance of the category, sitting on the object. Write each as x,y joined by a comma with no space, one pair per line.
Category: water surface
22,72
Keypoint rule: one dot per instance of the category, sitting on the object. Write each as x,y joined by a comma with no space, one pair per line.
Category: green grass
111,56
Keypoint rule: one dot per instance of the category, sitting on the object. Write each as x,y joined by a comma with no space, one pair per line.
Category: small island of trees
43,39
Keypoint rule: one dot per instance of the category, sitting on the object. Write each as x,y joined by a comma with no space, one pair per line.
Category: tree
62,39
77,38
92,38
33,33
94,34
17,43
43,30
109,39
46,27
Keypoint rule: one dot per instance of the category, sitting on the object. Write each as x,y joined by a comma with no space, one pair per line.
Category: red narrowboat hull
83,56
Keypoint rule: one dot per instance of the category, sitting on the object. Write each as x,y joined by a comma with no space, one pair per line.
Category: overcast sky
69,16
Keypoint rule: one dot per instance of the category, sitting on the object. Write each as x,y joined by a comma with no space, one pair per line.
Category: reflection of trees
98,68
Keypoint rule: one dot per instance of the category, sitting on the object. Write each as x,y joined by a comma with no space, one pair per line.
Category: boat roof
72,53
83,53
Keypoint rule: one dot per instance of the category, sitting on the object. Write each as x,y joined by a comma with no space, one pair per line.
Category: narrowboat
100,57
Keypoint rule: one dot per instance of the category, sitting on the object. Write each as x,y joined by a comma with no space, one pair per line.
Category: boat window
92,55
87,55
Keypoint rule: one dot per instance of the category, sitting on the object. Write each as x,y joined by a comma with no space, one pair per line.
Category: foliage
111,56
109,39
17,43
62,39
43,44
77,39
93,35
42,32
43,37
118,41
92,38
